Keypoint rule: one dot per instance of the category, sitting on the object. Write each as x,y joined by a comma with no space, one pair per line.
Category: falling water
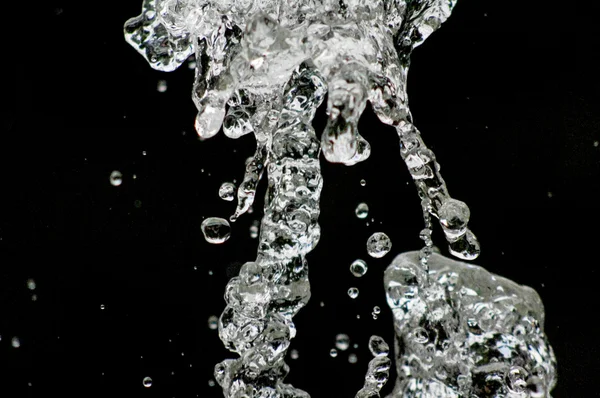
264,67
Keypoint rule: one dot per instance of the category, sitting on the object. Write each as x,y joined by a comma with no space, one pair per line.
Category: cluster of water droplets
264,67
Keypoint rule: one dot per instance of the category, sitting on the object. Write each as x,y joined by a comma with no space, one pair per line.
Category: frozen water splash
464,332
264,67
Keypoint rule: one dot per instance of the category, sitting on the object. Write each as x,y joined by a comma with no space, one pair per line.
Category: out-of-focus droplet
211,383
116,178
216,230
15,342
213,322
102,306
294,354
378,245
31,284
352,358
342,342
362,210
358,268
161,86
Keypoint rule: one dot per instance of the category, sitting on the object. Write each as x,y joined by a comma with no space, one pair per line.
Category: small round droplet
211,383
596,143
353,292
116,178
213,322
226,191
342,342
352,358
378,245
147,382
376,310
216,230
362,210
34,297
294,354
333,353
161,86
363,183
30,284
358,268
15,342
254,229
102,306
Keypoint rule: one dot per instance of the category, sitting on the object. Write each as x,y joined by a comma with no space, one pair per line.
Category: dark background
507,95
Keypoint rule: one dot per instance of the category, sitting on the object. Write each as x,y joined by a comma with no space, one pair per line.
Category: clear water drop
376,310
333,353
378,245
358,268
353,292
363,183
116,178
342,342
227,191
147,382
213,322
216,230
362,210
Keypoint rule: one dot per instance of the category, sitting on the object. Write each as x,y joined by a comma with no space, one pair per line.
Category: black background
506,93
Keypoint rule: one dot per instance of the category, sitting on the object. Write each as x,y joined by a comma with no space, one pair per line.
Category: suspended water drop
211,383
342,342
161,86
358,268
333,353
116,178
31,284
102,306
352,358
147,382
376,310
378,346
254,229
216,230
378,245
362,210
34,297
226,191
596,143
15,342
294,354
353,292
213,322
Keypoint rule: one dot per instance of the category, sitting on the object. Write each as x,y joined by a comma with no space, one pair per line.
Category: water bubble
353,292
363,183
352,358
342,342
378,346
15,342
294,354
213,322
147,382
333,353
378,245
161,86
362,210
116,178
31,284
216,230
358,268
226,191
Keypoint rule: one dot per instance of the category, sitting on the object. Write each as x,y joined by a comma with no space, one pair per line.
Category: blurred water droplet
352,358
116,178
294,354
31,284
358,268
342,342
15,342
211,383
378,245
102,306
147,382
216,230
213,322
362,210
161,86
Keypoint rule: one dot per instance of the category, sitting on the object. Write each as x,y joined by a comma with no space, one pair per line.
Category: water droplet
143,153
226,191
376,310
147,382
34,297
294,354
216,230
333,353
352,358
362,210
378,346
31,284
161,86
378,245
102,306
353,292
550,194
254,229
211,383
213,322
116,178
596,143
363,183
342,342
15,342
358,268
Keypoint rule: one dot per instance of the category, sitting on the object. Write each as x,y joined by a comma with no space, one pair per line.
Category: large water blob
264,68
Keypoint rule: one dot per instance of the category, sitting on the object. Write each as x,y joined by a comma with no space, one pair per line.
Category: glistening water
264,68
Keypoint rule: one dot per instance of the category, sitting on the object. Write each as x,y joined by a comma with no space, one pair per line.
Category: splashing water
264,67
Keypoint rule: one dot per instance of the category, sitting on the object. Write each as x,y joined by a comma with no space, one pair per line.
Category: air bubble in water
216,230
353,292
15,342
362,210
116,178
358,268
213,322
333,353
147,382
378,245
342,342
161,86
226,191
31,284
